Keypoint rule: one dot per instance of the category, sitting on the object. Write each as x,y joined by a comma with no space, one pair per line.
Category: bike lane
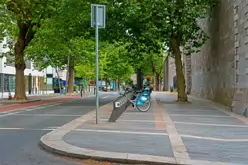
42,102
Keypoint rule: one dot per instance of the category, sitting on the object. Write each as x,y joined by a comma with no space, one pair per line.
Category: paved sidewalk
199,133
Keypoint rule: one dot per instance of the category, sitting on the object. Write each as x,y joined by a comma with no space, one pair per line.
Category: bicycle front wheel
145,107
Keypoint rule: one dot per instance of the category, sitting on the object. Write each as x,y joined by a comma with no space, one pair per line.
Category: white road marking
120,132
8,114
54,115
104,97
214,116
31,109
207,124
215,139
53,127
29,129
161,134
11,128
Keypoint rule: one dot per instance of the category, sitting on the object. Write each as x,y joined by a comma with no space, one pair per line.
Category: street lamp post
56,69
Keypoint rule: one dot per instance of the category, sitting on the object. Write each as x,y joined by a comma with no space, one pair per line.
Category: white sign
98,12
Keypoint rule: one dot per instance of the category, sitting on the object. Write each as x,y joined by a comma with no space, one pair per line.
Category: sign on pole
98,20
98,16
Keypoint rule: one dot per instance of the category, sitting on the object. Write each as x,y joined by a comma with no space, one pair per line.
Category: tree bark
118,84
71,79
20,66
166,74
182,97
20,94
157,81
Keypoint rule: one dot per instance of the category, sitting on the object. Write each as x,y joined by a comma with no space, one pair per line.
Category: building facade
36,82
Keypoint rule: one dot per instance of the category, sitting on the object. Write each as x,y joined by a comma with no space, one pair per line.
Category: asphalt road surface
21,131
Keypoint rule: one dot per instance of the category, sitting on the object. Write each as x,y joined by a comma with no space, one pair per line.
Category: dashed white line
54,115
29,129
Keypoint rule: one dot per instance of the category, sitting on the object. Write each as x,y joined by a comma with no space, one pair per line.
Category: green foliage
113,63
24,17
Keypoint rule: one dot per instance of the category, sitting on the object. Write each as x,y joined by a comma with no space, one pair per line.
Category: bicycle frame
137,102
145,94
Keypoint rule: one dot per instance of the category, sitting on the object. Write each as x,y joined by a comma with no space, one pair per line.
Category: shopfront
7,82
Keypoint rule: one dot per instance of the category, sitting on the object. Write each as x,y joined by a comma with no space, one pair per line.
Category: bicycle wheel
145,107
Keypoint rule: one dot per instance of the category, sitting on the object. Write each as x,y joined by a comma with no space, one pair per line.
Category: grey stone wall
220,71
241,56
187,73
213,72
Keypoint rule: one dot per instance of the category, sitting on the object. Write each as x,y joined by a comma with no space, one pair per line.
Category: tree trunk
157,81
160,84
106,82
71,79
182,97
20,66
20,94
166,74
117,85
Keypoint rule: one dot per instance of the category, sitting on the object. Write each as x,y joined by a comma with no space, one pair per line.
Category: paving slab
124,143
207,120
214,131
217,151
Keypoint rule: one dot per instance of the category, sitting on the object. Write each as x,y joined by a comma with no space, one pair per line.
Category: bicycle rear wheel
145,107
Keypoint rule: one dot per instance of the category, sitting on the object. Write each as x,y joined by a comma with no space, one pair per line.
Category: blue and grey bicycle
142,99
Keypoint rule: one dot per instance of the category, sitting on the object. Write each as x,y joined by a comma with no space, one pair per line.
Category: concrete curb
54,142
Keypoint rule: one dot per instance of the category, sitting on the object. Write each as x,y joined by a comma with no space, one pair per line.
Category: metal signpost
98,17
68,75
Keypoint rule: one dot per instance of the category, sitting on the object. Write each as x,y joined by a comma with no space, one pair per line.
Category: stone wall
241,56
172,71
187,73
220,71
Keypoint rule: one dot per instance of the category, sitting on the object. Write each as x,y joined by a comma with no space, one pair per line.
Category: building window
8,82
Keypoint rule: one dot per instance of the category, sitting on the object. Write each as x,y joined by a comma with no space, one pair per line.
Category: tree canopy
136,35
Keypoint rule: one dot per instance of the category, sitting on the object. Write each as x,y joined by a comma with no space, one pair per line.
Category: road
21,131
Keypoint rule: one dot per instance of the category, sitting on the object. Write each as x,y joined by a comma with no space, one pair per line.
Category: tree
22,19
68,33
173,22
178,22
113,63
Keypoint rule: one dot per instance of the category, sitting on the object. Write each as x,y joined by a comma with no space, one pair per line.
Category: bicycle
141,99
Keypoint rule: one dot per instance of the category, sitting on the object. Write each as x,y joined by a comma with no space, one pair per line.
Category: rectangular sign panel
100,16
